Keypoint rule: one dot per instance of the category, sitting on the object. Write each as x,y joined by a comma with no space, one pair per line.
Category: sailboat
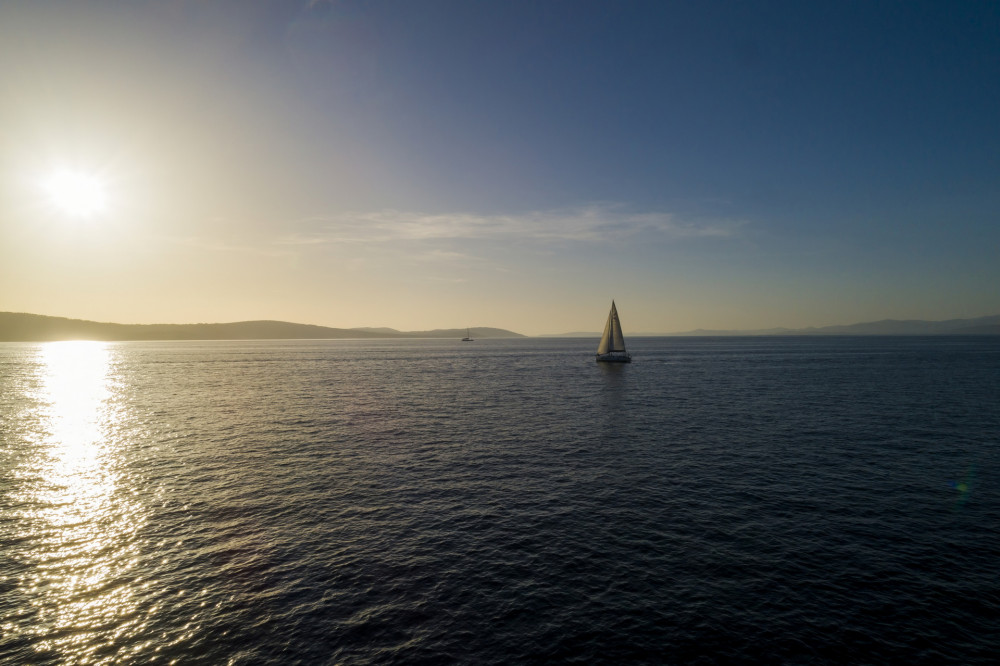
612,347
468,336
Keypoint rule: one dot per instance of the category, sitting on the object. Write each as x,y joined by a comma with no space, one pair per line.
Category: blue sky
512,164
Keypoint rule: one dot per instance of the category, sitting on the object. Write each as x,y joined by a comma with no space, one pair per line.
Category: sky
429,164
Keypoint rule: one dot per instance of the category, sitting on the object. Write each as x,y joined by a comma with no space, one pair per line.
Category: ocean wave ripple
717,501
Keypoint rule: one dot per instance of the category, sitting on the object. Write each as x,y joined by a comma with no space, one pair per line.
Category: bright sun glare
76,193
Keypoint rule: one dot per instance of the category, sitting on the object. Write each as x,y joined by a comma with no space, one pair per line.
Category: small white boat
612,346
468,336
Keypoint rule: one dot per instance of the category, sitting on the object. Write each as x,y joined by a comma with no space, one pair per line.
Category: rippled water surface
502,501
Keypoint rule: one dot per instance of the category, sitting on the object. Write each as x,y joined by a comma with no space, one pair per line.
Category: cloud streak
597,223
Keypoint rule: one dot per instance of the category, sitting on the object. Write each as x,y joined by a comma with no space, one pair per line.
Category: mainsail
612,340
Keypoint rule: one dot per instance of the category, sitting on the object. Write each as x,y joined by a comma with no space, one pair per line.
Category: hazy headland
24,327
989,325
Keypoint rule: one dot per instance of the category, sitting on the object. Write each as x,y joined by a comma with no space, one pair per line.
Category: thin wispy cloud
597,223
220,246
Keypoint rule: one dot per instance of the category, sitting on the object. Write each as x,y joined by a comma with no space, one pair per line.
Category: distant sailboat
468,336
612,347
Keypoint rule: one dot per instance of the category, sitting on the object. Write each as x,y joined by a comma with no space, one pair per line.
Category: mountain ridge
27,327
988,325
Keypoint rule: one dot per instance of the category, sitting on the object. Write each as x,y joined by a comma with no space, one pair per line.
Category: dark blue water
810,500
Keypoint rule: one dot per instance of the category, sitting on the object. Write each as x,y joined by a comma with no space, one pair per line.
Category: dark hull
614,358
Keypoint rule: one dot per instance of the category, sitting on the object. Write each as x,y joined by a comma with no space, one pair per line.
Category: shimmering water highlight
718,500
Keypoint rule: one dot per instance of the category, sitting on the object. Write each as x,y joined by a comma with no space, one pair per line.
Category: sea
801,500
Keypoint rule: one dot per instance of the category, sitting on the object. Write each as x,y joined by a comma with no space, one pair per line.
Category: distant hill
383,329
575,334
978,326
481,332
979,330
640,334
23,327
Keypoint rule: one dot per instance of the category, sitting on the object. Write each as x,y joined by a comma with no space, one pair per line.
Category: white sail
612,340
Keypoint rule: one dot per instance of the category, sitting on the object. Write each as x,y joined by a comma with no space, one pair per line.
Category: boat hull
614,357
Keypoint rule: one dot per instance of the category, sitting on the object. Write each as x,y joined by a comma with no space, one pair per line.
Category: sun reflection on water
75,386
74,535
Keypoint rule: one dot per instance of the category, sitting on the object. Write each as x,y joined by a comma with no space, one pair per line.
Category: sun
76,193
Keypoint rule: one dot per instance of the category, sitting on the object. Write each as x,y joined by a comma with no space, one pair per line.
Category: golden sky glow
369,164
